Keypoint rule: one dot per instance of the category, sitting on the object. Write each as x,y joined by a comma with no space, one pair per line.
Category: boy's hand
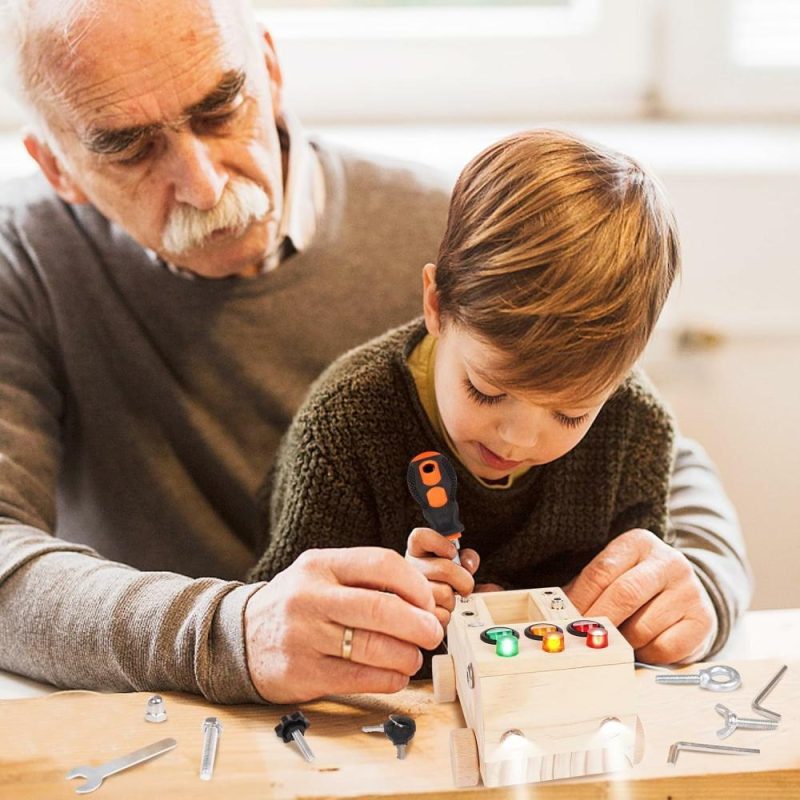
431,553
651,593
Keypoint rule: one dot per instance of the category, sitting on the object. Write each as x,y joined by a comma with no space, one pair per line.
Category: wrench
94,775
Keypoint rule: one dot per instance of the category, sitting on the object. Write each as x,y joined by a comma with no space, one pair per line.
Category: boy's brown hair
559,254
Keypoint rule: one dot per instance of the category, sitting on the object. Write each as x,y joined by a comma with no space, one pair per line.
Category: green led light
507,646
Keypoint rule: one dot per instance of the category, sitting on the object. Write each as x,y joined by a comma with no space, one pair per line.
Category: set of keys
398,728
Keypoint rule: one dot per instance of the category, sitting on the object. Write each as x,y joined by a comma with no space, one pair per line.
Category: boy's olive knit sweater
340,476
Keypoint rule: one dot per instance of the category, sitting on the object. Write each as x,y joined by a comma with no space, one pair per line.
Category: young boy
556,262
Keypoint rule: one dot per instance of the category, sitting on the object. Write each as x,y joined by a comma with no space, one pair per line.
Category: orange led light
553,642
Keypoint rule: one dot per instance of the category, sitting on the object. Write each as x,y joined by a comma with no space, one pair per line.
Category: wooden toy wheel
638,748
464,757
444,678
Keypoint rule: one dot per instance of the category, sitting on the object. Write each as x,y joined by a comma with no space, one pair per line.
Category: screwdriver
432,483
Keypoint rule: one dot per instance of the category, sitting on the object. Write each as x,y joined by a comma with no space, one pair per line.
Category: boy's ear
274,71
430,300
49,163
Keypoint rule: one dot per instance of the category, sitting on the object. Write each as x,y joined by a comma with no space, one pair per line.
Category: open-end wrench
95,775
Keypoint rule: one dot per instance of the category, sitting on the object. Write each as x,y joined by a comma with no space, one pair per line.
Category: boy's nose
520,432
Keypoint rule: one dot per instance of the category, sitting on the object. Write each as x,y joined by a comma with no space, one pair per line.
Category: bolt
293,726
707,679
732,722
211,731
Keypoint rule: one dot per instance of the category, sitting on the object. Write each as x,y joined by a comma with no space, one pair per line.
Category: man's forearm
72,619
705,528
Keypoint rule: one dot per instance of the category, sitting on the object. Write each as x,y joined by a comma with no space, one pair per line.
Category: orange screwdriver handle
432,483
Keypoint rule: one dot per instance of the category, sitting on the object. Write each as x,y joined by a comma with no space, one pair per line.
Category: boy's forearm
705,528
70,618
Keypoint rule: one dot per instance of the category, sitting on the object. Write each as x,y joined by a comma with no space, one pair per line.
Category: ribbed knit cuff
721,611
227,679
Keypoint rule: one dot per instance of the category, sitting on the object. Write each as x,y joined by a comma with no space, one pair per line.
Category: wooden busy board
42,738
535,715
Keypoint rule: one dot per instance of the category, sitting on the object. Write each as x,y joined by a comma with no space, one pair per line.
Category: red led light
553,642
597,637
582,626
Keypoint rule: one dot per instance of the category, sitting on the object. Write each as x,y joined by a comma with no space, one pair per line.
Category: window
357,61
442,60
731,59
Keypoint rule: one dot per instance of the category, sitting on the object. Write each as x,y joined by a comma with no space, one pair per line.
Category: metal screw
211,730
301,742
732,722
699,747
758,708
293,726
557,604
707,679
156,712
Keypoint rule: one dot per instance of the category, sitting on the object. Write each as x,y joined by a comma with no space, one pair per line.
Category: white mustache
189,227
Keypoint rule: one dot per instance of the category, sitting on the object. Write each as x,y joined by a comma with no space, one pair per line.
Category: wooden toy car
546,694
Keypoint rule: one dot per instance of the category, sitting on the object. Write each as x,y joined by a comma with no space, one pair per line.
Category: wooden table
41,738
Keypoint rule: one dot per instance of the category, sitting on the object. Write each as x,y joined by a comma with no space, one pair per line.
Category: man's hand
294,625
431,553
651,593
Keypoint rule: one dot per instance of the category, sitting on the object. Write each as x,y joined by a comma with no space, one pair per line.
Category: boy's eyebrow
109,141
558,405
481,374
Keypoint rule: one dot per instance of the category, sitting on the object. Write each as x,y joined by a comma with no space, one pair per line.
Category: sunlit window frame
465,64
700,76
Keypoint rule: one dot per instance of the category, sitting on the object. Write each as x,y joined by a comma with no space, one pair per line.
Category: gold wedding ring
347,644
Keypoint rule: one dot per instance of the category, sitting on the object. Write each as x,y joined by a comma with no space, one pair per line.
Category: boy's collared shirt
422,364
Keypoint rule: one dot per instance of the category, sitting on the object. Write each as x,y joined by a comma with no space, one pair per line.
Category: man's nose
197,179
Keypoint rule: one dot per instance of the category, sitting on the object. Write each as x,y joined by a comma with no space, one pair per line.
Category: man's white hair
31,30
22,26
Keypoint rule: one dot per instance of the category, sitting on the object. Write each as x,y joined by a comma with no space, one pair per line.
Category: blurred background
705,92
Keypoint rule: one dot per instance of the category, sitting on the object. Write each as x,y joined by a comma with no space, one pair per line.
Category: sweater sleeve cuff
226,678
721,611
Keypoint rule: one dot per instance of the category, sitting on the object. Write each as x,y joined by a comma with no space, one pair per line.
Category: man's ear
51,166
430,300
274,70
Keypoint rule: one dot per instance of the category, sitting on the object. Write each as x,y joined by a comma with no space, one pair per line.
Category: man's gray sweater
139,412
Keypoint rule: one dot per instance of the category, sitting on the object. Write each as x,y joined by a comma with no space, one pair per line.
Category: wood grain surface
42,738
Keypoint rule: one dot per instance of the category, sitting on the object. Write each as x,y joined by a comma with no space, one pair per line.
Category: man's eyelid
225,109
133,156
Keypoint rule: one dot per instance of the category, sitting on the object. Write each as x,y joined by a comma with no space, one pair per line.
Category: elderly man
167,295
